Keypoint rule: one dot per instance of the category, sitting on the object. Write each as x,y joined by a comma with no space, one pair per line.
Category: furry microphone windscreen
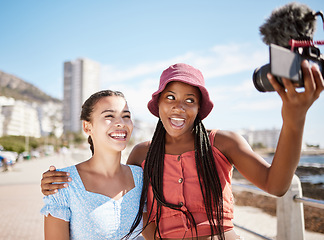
292,21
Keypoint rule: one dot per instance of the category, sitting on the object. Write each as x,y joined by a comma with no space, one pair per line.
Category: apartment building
20,119
81,79
4,101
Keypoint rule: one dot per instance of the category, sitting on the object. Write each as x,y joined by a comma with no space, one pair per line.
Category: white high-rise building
21,119
81,79
4,101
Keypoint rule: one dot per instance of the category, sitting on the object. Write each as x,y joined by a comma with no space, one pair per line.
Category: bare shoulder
227,138
138,154
230,143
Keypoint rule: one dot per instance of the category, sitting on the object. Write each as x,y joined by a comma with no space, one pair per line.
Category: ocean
311,161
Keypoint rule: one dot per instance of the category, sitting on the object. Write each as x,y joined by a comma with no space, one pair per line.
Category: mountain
12,86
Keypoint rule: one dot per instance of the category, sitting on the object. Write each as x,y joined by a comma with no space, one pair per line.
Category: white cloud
243,96
233,58
261,105
111,73
218,61
138,82
138,96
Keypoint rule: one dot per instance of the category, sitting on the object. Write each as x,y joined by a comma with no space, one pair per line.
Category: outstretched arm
276,178
294,109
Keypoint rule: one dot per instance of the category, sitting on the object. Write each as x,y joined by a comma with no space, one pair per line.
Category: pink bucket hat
187,74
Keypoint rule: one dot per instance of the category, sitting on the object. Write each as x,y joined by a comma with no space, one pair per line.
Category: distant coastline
265,152
313,152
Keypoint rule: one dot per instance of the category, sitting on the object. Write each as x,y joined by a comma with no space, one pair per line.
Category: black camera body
285,63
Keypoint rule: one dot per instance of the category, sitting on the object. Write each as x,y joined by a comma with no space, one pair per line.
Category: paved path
21,200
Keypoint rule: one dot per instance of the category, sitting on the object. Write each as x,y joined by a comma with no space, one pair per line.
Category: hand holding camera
289,33
296,104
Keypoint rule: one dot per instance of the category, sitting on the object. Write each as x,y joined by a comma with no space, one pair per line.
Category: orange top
181,186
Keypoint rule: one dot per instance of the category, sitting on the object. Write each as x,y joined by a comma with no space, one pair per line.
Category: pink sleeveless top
181,186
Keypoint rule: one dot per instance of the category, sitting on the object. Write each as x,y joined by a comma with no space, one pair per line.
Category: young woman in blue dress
103,199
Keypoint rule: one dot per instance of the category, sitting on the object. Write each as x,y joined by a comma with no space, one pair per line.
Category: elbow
281,193
278,192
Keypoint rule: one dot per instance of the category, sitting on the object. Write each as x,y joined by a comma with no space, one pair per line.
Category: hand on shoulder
53,180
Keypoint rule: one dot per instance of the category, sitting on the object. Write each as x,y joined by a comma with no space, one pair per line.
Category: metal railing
290,210
310,202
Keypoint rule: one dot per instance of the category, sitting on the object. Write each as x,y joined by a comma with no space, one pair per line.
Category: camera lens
260,80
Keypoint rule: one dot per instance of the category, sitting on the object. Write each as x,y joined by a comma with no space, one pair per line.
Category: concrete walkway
21,201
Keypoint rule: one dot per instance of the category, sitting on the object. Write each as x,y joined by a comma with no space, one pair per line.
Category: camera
285,63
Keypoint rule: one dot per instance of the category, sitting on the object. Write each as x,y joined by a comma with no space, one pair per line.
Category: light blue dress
92,215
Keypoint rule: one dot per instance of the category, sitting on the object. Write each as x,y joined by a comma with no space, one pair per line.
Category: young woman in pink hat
188,170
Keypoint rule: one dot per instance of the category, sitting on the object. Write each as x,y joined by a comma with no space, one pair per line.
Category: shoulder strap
137,174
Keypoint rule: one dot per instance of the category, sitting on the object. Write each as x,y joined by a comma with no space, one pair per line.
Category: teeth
177,121
118,135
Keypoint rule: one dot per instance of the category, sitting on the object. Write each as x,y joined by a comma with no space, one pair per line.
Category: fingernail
65,185
55,190
316,66
305,63
67,174
69,179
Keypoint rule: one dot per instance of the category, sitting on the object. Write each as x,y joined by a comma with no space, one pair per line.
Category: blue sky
136,40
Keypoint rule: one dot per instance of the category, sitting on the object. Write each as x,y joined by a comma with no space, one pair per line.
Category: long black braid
208,178
210,184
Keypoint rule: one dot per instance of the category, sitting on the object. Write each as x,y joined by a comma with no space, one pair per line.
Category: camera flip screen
285,63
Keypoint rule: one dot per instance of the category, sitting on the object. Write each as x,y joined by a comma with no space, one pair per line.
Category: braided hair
207,174
89,104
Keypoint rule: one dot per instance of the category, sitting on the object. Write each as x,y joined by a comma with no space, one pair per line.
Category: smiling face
178,108
111,125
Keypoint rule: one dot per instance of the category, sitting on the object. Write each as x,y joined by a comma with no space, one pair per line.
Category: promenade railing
290,210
